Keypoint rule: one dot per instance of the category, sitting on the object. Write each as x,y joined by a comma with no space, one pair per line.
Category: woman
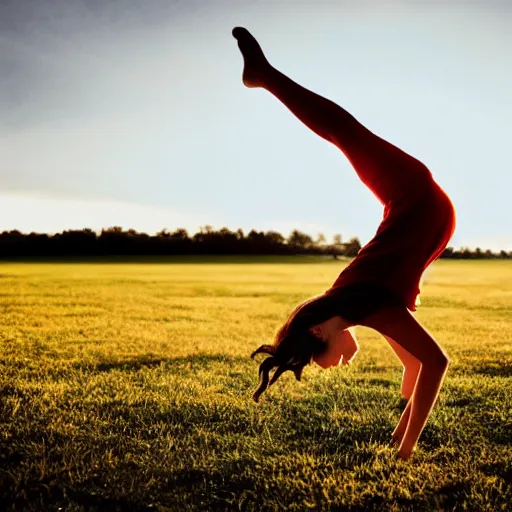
380,287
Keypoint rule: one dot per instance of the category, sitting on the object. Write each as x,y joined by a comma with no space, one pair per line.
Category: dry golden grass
126,386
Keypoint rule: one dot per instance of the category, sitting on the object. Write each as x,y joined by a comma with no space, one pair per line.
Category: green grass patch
127,386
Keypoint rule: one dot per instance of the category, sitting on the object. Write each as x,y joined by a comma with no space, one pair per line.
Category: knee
438,360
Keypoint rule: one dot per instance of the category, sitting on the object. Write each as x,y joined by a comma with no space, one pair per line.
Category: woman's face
340,348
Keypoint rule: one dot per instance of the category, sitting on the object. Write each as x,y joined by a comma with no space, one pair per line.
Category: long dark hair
294,345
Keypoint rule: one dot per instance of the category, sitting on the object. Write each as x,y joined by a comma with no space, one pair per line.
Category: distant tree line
478,254
116,241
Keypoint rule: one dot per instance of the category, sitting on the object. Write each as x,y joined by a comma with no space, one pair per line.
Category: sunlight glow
47,215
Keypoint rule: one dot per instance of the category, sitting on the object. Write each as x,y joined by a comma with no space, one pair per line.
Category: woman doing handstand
380,287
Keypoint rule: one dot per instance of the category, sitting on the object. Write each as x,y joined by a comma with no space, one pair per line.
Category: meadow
127,386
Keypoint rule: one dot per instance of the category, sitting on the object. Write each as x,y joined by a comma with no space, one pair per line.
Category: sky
130,113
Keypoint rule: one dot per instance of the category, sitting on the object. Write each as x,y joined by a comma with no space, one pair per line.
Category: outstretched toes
256,64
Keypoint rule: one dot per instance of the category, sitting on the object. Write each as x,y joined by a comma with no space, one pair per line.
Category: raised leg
322,116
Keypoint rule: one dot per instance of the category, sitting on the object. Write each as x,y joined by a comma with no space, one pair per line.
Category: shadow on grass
50,495
94,501
22,397
370,382
192,362
494,370
246,484
467,402
497,430
220,487
503,469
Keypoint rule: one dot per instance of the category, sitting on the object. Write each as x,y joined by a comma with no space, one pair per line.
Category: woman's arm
411,367
411,370
398,433
425,394
398,324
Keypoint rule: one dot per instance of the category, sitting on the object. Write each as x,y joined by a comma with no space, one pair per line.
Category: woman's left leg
321,115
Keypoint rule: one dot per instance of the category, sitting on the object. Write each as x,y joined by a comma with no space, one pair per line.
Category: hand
349,346
405,453
401,427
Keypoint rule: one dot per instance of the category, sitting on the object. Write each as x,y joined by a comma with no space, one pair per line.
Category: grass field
127,386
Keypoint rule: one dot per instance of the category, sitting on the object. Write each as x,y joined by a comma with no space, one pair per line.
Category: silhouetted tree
336,248
447,253
75,242
299,240
40,244
352,247
320,239
336,239
116,241
256,242
14,243
274,238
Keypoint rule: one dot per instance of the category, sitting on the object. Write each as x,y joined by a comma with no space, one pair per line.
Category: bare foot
256,64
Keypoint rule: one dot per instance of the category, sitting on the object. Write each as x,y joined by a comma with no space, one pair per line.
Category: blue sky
122,112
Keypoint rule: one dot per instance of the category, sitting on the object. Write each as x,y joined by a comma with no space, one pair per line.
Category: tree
336,248
113,229
76,242
207,229
115,240
352,247
275,238
299,239
320,239
163,234
447,253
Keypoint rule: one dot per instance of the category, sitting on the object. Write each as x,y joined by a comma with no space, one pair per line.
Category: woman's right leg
322,116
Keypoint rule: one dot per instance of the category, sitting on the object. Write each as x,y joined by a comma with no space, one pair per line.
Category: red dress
418,222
